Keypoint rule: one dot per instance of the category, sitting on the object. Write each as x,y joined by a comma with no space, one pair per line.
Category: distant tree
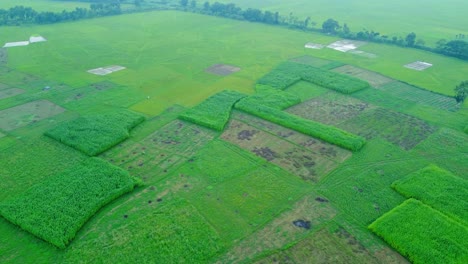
410,39
330,26
137,3
346,29
269,17
461,91
193,4
306,22
420,42
184,3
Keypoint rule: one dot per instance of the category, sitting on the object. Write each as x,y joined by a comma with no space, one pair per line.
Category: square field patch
418,65
222,69
26,114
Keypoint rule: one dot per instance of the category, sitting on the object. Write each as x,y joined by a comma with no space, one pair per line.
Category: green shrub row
215,111
55,209
288,73
329,134
423,234
438,188
95,134
271,97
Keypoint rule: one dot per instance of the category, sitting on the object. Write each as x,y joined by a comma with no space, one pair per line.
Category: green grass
396,18
288,73
58,207
329,134
97,133
271,97
166,69
437,188
215,111
423,234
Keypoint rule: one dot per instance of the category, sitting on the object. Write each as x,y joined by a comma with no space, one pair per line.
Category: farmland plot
316,62
373,78
420,96
313,210
297,160
180,137
331,108
403,130
423,234
54,211
26,114
437,188
314,145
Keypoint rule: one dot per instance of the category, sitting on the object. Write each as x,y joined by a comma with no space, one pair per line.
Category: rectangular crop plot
57,208
298,160
373,78
95,134
314,145
400,129
438,188
215,111
180,137
10,93
26,114
420,96
317,62
272,98
423,234
330,108
222,69
418,65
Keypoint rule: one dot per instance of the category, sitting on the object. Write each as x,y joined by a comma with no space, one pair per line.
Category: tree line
455,48
19,15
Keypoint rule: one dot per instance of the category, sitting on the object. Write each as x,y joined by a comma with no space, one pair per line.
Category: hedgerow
215,111
288,73
438,188
327,133
55,209
271,97
423,234
95,134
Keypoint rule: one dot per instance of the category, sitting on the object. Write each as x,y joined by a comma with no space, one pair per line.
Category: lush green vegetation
215,111
437,188
329,134
423,234
96,133
288,73
58,207
230,196
271,97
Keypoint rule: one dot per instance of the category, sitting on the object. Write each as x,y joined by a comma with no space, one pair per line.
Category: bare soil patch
222,69
26,114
